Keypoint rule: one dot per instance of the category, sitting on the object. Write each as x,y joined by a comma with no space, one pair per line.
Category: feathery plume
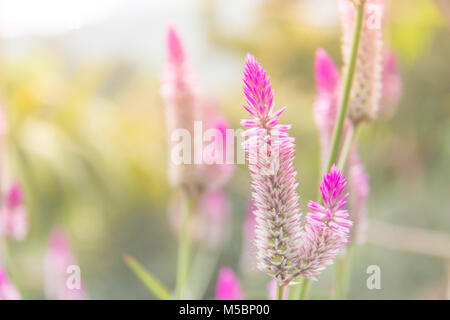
58,258
366,89
327,227
13,214
7,290
181,104
270,151
228,286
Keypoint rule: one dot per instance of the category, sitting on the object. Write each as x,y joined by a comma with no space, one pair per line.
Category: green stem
348,82
350,139
280,292
183,249
343,106
342,275
304,291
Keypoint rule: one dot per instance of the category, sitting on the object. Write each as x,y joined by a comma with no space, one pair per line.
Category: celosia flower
228,286
359,189
325,105
181,107
58,259
13,214
270,152
392,85
7,290
366,89
272,289
327,227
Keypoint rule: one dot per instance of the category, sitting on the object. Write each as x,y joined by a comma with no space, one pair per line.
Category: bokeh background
80,81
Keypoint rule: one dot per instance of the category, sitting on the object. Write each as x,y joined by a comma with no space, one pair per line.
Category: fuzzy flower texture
286,249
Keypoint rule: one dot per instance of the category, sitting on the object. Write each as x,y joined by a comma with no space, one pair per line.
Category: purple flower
7,290
270,152
327,226
228,286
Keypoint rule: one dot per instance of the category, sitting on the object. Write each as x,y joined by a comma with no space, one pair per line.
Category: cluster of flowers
284,248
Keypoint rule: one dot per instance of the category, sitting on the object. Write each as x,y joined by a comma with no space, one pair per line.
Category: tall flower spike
228,286
325,105
181,104
327,227
366,89
7,290
271,153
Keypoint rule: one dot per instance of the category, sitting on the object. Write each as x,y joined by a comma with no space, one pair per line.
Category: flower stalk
347,86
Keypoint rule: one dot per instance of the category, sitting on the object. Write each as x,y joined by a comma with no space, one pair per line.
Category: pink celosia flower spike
58,259
366,89
228,286
181,103
7,290
327,226
325,105
13,214
271,152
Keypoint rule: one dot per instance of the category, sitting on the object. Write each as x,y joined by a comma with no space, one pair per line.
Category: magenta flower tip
175,52
332,186
257,90
228,286
327,75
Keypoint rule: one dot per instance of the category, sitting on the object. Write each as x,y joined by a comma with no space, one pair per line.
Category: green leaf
152,284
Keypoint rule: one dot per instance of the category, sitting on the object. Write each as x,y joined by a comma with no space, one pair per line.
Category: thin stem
349,140
304,291
280,292
183,249
348,82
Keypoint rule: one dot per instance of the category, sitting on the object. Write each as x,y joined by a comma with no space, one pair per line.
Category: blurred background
79,81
